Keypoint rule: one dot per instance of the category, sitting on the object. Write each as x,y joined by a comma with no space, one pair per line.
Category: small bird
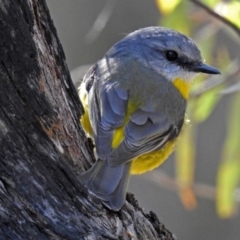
134,102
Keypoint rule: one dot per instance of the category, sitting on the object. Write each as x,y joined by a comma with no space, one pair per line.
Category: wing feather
144,133
111,106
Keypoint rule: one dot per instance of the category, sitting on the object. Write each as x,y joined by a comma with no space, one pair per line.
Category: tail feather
108,183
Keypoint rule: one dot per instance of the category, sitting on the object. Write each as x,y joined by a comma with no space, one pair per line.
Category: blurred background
196,192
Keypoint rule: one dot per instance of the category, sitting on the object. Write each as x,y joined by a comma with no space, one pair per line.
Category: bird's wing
145,132
107,112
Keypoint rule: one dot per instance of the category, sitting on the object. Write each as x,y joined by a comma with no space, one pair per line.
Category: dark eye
171,55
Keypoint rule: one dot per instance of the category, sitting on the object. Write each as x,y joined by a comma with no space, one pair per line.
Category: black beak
201,67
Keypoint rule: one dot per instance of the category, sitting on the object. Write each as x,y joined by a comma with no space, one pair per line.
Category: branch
163,180
217,16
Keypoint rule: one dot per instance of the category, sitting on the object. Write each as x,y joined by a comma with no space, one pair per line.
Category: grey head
166,51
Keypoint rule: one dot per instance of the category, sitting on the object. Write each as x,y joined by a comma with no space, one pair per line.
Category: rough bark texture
43,148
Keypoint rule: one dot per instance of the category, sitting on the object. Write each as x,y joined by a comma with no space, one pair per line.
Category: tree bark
43,148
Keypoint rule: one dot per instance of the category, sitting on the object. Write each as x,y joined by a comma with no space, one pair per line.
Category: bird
134,102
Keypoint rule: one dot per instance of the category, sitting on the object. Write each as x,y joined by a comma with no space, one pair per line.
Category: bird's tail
108,183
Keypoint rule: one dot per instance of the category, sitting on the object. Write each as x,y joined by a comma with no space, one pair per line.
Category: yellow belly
149,161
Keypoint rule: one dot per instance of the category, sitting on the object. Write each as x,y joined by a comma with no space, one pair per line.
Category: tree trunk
43,148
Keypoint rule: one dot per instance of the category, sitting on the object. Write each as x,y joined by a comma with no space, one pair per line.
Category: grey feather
109,119
138,117
123,94
116,199
117,99
107,183
112,113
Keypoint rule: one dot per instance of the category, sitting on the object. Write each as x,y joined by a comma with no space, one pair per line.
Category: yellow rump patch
182,86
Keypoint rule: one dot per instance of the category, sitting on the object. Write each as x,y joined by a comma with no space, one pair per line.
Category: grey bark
42,146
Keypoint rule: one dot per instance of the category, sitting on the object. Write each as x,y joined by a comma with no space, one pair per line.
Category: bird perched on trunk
134,102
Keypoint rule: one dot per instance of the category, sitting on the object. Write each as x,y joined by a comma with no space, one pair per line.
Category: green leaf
178,19
185,155
229,172
211,3
185,166
167,7
204,104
